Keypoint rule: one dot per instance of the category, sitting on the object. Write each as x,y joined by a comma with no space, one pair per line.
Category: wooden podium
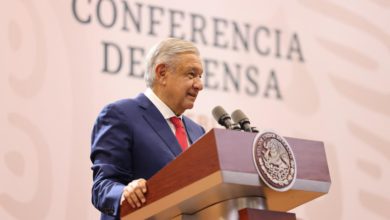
216,179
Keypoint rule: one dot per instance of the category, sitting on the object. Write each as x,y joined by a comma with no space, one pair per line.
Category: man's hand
134,192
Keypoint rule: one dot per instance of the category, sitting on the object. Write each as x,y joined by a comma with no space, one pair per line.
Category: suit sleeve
111,158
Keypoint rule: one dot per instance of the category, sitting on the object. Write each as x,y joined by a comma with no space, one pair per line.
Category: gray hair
165,52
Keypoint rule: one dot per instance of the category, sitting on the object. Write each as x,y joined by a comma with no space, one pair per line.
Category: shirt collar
160,105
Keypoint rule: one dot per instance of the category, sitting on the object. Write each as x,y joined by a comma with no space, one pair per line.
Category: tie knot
176,121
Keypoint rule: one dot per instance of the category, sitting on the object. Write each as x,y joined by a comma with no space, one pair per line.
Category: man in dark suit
134,138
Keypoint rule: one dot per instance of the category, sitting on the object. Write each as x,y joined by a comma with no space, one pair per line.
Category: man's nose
198,84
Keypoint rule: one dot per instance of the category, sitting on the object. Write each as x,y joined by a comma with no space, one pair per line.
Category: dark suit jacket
130,140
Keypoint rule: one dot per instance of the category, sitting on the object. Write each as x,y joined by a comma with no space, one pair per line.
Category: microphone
223,118
240,118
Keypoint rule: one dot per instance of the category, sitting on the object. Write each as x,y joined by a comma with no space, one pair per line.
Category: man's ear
161,71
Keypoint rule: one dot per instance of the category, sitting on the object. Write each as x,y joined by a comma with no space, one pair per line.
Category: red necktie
180,132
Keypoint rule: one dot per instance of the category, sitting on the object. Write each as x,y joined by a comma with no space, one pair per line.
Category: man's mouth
192,95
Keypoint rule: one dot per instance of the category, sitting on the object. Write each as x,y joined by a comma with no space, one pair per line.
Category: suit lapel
157,122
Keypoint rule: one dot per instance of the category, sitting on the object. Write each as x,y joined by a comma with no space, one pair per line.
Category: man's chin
189,105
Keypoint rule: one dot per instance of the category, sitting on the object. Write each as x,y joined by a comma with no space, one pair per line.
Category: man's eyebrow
196,69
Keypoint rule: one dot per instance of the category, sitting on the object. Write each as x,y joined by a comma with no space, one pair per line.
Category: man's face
182,82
